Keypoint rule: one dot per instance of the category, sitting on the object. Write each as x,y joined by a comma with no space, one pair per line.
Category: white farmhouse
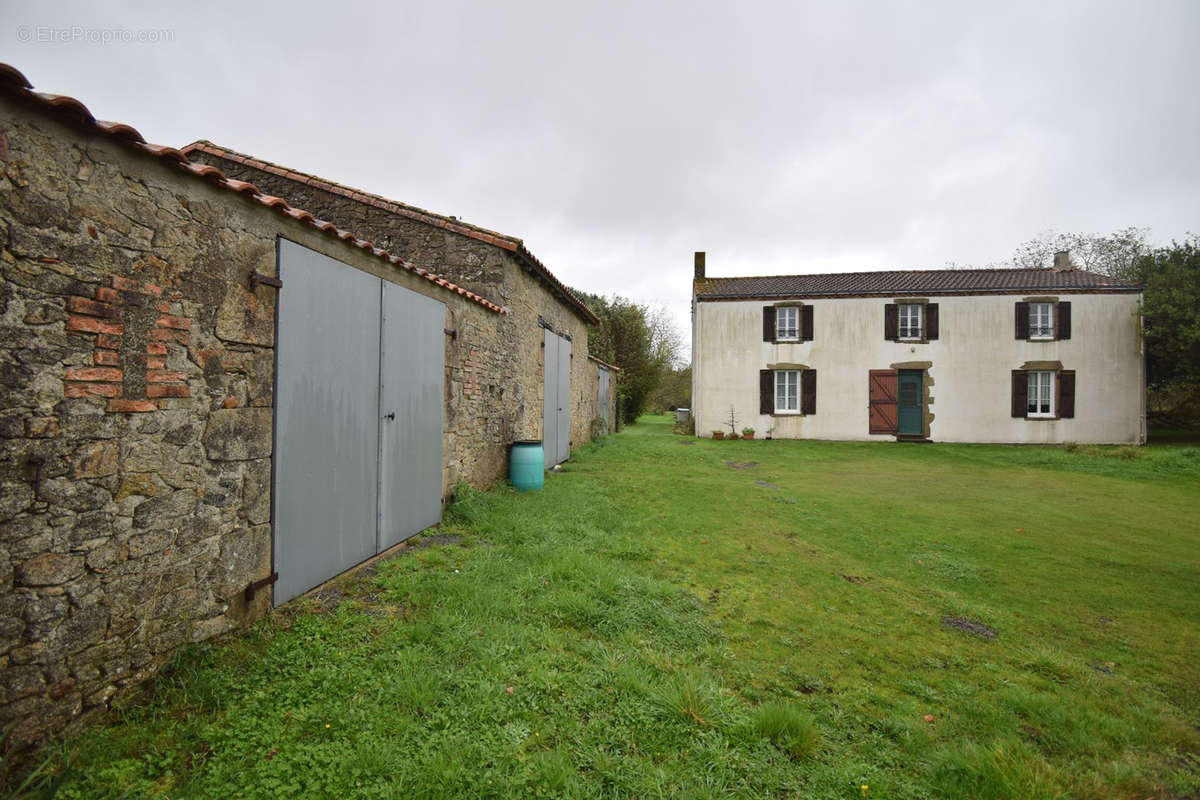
979,355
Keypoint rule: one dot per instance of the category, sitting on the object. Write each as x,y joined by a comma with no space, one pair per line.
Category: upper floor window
910,321
1041,320
787,323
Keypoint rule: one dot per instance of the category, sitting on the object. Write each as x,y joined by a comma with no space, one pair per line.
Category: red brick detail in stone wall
108,315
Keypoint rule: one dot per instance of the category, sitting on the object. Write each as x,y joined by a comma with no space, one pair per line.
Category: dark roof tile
907,282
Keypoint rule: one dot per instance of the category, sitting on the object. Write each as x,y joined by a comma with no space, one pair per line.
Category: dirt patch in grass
429,541
329,598
855,579
765,485
741,464
971,627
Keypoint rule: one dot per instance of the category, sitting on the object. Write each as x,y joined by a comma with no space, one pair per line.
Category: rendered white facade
968,392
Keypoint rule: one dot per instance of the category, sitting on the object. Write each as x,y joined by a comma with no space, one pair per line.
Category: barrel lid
528,441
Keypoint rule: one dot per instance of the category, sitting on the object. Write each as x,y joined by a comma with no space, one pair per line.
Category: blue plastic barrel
526,466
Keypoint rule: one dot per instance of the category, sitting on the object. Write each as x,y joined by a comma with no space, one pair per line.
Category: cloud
618,138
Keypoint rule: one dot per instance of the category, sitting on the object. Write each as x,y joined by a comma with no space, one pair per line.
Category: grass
681,618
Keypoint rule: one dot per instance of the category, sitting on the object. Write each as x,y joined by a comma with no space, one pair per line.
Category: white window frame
1038,330
914,310
787,323
1039,392
787,389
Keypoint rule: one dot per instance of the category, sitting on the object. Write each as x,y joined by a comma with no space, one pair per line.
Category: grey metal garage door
602,398
412,369
556,397
358,427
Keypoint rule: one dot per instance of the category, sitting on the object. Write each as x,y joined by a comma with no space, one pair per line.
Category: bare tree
1114,255
664,336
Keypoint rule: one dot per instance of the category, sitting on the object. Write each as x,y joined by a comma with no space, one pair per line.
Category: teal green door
911,417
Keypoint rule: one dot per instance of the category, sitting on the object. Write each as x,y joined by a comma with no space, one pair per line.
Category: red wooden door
884,416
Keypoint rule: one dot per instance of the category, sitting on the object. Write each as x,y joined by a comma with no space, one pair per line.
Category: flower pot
718,434
747,435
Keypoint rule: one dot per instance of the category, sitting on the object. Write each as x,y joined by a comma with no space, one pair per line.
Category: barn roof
70,111
505,242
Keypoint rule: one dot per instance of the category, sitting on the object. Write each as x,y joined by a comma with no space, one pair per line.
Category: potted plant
718,434
733,436
747,433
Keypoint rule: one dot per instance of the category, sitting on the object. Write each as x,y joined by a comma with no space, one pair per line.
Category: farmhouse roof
510,243
908,282
70,111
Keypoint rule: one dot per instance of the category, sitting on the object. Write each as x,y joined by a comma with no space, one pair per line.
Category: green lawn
686,618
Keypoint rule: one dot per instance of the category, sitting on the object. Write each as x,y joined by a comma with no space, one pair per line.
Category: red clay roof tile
14,85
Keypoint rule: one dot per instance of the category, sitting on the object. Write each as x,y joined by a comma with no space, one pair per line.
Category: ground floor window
1040,398
787,390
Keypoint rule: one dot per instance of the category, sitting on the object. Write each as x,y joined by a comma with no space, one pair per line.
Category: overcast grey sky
617,138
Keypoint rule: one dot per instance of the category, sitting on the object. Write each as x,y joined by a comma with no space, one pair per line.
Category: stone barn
206,392
547,331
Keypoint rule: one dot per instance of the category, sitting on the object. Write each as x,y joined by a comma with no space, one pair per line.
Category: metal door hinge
260,584
257,277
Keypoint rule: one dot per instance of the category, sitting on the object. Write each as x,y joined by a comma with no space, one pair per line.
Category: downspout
696,369
1144,433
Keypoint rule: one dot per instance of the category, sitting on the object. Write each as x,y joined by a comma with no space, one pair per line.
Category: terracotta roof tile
494,238
907,282
16,86
604,364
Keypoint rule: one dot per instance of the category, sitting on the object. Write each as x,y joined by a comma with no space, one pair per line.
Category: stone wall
485,268
136,372
606,413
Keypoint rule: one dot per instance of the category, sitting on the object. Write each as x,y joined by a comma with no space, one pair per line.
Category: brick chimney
699,265
1062,261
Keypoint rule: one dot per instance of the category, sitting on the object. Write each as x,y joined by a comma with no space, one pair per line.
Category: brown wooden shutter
806,323
1022,316
882,396
891,322
766,391
931,321
1066,394
1020,392
768,323
808,391
1062,320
